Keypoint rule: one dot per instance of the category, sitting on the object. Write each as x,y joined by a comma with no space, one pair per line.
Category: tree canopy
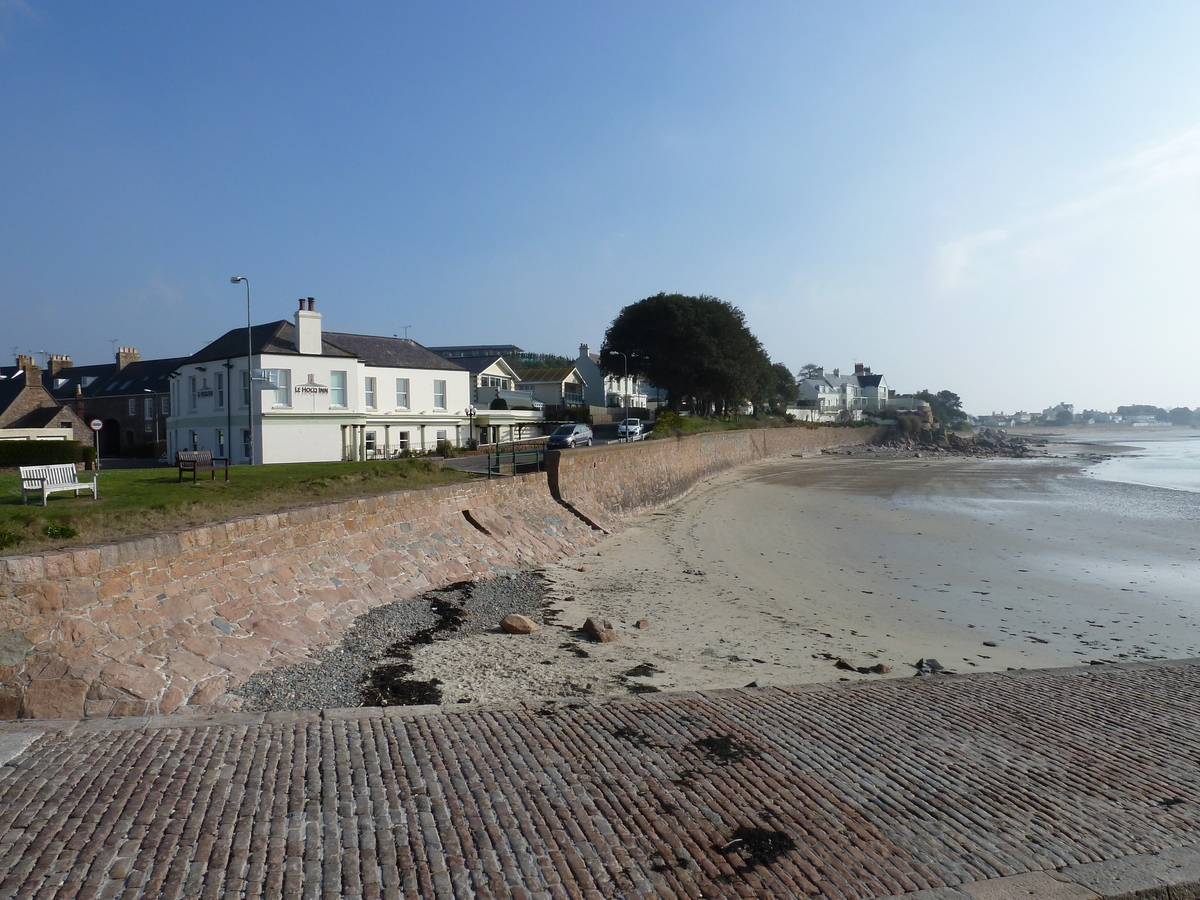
697,348
946,407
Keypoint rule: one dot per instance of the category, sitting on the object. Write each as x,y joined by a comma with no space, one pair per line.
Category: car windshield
565,429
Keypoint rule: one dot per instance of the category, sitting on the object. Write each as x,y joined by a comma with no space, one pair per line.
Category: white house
502,413
559,388
315,396
608,391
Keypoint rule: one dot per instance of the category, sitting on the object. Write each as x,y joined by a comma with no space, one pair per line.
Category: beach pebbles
381,637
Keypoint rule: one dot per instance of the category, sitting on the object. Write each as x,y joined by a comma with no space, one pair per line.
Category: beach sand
770,574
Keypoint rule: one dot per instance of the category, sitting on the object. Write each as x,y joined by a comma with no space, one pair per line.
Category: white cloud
1128,216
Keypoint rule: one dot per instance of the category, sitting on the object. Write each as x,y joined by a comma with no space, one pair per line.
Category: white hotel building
315,396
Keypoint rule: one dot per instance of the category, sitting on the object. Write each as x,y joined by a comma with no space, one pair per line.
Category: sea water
1170,462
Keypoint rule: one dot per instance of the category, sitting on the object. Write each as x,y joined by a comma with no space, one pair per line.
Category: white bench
51,479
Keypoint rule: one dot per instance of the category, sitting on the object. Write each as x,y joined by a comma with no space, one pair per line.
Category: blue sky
996,198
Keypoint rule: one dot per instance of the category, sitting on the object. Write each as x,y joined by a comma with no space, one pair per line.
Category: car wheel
589,442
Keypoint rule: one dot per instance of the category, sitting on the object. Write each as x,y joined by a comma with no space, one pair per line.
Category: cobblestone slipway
1069,783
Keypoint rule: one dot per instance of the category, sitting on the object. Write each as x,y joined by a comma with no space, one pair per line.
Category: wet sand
771,574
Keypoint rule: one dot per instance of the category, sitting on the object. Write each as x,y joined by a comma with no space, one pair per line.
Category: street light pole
625,394
249,368
154,400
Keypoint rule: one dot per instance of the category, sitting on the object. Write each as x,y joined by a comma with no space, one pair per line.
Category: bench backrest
32,477
200,457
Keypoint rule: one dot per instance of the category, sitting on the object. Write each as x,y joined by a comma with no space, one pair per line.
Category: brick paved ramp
1065,783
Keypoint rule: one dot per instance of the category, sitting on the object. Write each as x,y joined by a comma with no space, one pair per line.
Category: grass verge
136,502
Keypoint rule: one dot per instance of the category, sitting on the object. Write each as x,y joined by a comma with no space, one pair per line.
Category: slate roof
272,337
280,338
546,375
10,387
393,352
477,364
869,380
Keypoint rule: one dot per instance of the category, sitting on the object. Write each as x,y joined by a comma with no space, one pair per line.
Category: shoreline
772,574
802,571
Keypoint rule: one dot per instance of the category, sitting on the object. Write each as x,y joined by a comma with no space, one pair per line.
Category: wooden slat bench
200,461
48,480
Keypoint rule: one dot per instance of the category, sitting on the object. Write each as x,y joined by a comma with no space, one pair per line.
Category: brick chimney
308,328
58,363
24,362
859,369
127,355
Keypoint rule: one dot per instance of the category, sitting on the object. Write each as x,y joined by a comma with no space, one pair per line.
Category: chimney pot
312,304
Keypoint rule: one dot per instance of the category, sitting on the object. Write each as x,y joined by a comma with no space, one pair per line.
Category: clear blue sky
996,198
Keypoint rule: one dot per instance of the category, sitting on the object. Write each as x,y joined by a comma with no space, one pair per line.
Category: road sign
95,424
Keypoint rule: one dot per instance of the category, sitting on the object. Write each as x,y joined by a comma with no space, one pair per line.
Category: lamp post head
236,278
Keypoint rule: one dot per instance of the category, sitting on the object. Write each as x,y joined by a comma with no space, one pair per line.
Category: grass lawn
144,501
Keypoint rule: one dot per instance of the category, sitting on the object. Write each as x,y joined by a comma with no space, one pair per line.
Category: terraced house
292,392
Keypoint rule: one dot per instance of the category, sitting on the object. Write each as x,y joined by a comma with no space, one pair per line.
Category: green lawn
144,501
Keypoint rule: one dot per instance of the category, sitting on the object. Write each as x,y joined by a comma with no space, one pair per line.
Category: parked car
566,436
629,429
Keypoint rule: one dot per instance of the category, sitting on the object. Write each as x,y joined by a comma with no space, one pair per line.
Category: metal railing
515,461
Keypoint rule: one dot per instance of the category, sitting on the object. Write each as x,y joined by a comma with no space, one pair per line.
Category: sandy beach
771,574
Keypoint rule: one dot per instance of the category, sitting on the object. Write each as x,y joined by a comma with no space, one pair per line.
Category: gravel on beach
337,673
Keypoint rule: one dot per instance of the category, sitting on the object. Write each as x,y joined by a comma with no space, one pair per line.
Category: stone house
28,411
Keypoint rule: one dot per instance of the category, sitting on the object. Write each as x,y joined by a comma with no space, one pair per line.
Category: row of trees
700,350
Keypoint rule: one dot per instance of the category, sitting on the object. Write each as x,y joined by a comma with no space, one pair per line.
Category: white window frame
337,392
148,409
133,406
219,393
192,393
282,379
403,394
245,388
369,392
439,393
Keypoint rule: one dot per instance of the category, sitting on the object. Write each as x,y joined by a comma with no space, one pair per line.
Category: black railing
515,461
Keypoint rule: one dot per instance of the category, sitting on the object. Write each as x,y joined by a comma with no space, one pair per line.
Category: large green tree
697,348
946,407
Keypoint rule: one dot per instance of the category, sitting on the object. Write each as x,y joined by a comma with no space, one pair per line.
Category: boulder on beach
601,632
515,624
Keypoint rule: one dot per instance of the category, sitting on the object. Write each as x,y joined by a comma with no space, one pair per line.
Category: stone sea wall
171,622
659,472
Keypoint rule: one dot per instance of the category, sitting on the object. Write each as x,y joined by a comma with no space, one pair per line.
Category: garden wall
161,623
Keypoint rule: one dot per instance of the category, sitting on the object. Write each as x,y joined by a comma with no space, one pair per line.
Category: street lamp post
471,445
154,400
249,368
625,394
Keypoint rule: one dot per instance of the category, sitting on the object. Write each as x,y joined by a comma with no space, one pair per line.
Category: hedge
39,453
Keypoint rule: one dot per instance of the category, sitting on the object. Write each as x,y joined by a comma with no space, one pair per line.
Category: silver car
567,436
629,429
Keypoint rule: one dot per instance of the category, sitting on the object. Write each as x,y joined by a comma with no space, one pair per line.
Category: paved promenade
1070,783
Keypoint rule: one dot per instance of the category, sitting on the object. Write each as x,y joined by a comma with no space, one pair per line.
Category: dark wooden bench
200,461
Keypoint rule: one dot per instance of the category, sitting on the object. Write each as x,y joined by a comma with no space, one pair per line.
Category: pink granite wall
172,621
625,479
151,625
